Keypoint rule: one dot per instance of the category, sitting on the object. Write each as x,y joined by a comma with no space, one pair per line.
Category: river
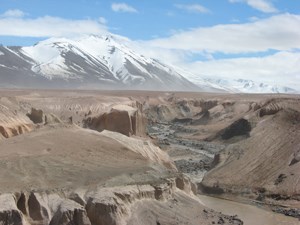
249,214
179,149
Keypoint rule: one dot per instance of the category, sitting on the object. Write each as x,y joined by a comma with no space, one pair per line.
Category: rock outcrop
124,119
36,115
8,131
9,212
52,119
270,109
12,122
101,206
237,128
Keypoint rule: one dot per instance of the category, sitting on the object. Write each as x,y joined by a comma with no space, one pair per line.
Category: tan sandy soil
56,157
66,157
53,171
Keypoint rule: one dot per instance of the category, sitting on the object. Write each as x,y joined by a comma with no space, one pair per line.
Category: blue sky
228,38
155,18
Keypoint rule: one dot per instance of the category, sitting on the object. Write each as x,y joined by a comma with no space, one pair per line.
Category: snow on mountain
204,84
103,59
217,84
88,62
106,62
249,86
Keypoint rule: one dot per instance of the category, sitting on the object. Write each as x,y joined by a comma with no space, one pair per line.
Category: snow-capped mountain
249,86
106,62
236,85
87,62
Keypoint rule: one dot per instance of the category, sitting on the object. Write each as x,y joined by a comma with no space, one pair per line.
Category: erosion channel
86,158
196,147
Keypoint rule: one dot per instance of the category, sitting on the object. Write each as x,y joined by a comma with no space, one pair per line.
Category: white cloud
13,13
261,5
48,26
123,7
280,32
193,8
281,68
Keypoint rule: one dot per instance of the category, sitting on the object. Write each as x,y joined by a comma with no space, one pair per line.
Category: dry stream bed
194,158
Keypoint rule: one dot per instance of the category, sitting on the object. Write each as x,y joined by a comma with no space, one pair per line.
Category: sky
249,39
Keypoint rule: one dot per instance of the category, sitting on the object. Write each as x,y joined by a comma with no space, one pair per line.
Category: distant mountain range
104,62
249,86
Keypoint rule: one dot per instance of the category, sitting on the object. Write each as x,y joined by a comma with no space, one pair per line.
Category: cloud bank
279,68
275,41
277,32
13,23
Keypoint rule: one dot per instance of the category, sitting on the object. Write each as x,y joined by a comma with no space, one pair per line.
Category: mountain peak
107,61
97,61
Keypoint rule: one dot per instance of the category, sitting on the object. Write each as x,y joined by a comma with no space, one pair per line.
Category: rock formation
108,206
84,158
36,115
12,121
121,118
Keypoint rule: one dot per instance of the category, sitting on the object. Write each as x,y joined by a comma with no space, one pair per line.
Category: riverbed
193,159
249,214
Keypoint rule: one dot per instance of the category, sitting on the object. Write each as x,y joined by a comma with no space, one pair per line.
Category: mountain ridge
87,62
106,62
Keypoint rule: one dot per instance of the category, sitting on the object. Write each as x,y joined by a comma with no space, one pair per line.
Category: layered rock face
71,175
21,114
13,129
122,119
12,121
109,206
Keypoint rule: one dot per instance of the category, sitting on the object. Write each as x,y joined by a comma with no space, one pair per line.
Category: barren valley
135,157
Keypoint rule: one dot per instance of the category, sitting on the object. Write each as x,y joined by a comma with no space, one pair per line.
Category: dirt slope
267,161
59,173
